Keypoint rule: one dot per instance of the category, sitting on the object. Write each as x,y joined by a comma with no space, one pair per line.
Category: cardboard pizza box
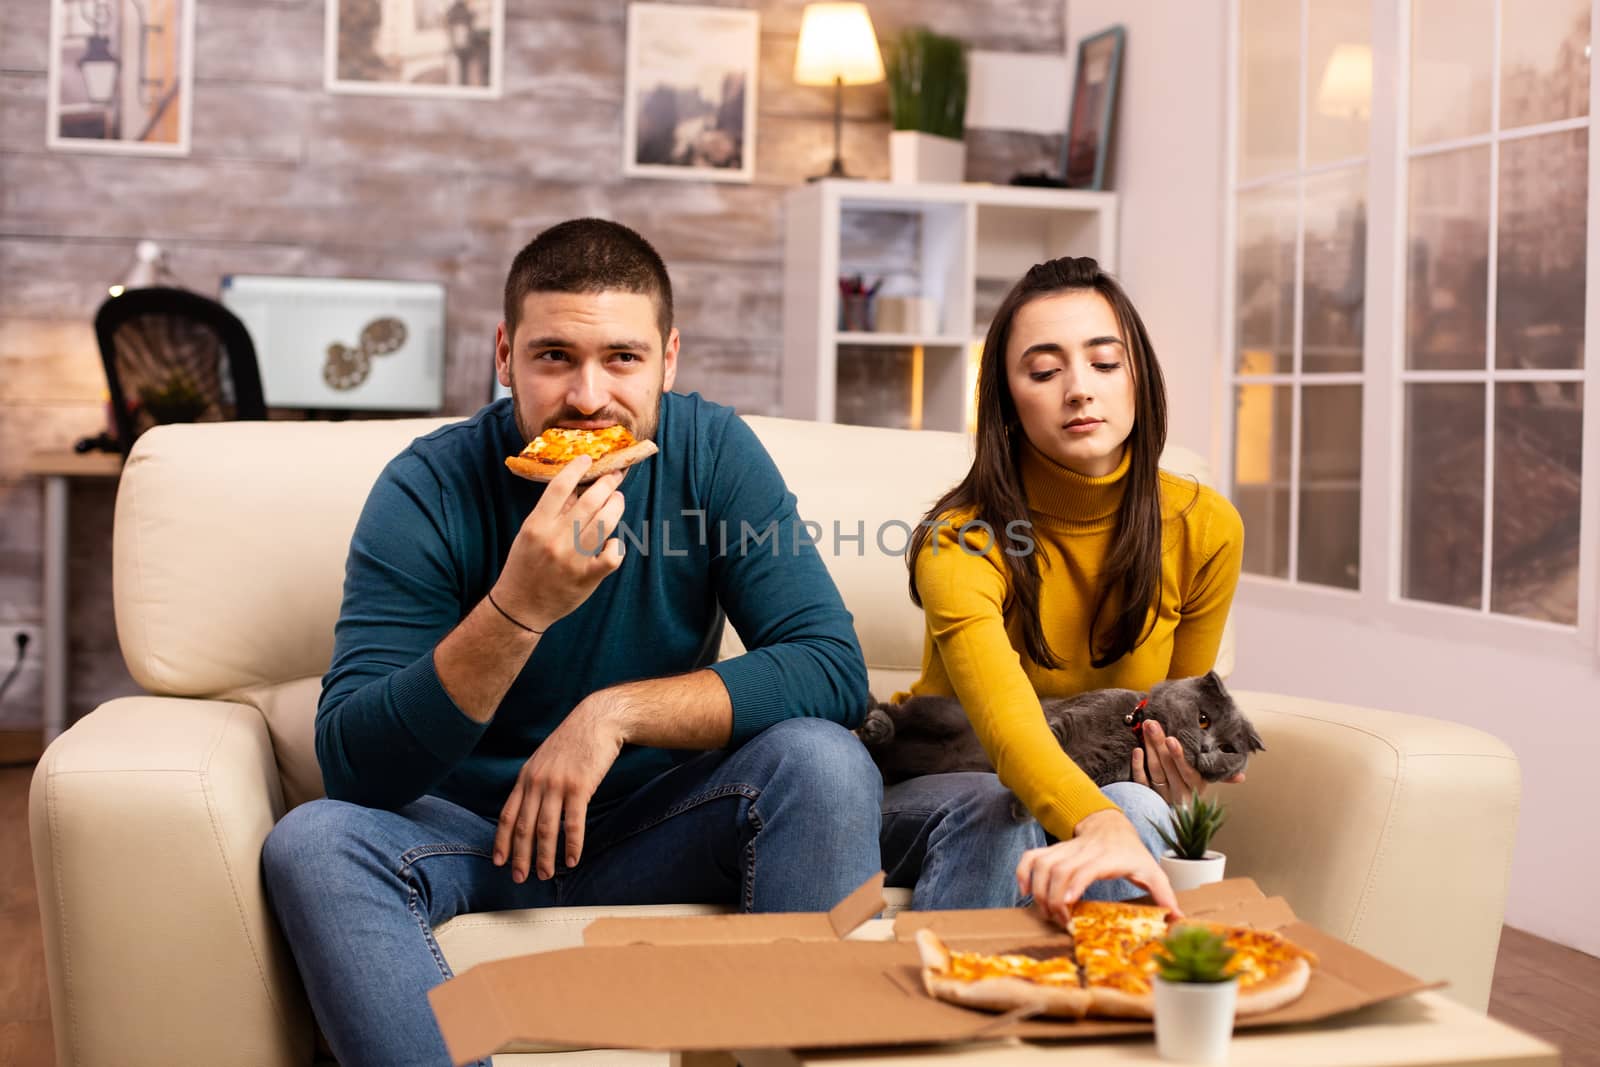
835,980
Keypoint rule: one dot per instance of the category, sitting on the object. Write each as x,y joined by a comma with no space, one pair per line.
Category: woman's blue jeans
955,839
787,822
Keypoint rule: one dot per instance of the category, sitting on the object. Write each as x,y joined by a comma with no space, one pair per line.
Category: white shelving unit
959,246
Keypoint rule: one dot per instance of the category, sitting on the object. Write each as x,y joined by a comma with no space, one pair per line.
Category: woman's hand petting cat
1160,763
1104,845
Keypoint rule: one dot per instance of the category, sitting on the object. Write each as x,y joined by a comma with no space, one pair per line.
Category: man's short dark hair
589,256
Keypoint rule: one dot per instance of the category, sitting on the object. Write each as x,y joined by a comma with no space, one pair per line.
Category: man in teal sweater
524,707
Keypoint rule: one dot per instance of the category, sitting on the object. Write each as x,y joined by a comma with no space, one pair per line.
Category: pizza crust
1008,994
540,471
1120,1004
1282,988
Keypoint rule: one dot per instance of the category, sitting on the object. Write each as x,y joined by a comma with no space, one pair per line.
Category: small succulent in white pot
1189,860
1196,992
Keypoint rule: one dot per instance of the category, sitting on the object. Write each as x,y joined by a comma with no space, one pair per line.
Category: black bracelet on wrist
507,614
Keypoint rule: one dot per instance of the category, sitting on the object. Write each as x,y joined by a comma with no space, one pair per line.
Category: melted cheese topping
1123,961
1259,954
1116,943
1093,918
973,966
560,445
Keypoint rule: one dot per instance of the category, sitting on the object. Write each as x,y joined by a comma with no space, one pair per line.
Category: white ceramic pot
1194,1020
922,157
1186,874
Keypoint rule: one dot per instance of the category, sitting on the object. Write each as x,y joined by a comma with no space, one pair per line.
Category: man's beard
642,430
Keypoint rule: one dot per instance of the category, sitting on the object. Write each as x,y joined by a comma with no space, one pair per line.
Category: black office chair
175,356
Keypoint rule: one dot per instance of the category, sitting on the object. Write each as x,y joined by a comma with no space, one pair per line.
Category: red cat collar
1137,716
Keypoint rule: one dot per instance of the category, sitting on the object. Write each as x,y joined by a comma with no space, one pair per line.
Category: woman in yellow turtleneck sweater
1065,561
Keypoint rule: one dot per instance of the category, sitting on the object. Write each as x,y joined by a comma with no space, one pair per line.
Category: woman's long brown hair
992,488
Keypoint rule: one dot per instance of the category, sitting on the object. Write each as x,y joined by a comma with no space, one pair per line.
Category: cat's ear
1253,738
1213,680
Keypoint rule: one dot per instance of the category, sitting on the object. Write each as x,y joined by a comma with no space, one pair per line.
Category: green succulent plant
1193,824
927,74
1193,953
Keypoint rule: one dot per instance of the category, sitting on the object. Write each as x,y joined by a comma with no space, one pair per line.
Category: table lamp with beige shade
837,48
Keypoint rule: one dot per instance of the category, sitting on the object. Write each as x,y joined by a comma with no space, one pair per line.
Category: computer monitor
343,343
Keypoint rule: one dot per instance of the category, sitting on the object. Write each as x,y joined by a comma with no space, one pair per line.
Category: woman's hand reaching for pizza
1161,764
566,547
1104,845
554,787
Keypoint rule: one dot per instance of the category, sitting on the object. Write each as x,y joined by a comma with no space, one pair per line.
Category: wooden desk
57,469
1425,1030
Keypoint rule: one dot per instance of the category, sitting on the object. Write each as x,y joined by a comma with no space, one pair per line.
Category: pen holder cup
855,312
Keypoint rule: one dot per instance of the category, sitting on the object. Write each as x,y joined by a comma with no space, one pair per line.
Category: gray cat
931,734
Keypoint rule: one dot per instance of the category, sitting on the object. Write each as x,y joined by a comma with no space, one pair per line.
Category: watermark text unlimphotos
796,536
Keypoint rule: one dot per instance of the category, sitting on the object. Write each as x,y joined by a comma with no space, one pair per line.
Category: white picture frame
678,53
452,48
146,70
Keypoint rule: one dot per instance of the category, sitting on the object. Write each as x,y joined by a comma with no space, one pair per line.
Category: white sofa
147,817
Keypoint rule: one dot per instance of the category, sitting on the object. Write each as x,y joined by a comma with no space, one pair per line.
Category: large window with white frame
1492,373
1300,198
1479,363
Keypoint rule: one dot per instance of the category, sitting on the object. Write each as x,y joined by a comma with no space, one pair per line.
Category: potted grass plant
927,75
1189,860
1195,993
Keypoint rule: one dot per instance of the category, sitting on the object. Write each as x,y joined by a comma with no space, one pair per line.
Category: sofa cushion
290,712
229,544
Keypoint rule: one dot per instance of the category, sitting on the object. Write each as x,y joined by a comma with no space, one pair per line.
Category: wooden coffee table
1425,1030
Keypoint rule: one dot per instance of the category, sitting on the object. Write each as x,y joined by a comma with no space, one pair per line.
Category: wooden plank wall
284,178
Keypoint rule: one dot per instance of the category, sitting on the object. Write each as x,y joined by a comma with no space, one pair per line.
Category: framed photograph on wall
1087,148
689,109
414,47
120,76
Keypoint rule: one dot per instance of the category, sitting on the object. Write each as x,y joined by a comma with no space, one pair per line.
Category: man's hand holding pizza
566,547
562,551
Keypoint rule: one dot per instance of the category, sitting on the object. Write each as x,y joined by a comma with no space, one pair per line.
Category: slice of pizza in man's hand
612,449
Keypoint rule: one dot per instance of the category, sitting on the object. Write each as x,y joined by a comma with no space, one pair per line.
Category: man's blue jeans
787,822
955,841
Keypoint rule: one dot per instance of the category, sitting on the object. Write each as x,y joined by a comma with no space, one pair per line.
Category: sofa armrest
1393,832
147,819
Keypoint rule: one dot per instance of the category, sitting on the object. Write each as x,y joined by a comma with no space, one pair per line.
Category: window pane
1269,75
1443,529
1544,201
1452,52
1266,279
1338,79
1336,270
1447,282
1262,426
1544,61
1330,486
1538,446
